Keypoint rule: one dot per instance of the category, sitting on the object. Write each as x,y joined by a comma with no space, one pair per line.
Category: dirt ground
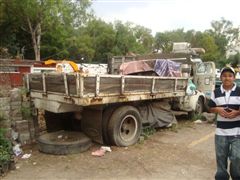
185,152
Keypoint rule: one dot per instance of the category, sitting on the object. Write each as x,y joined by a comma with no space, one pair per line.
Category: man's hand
222,112
233,114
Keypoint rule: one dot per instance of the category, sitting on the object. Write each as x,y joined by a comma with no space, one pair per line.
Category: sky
165,15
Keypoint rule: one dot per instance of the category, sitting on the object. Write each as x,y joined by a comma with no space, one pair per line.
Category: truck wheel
198,109
125,126
63,142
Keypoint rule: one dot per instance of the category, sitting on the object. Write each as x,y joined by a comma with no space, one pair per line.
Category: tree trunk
36,38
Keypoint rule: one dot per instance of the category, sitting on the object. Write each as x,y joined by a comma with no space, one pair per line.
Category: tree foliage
38,16
66,29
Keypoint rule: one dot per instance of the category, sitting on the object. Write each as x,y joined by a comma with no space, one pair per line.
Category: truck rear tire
125,126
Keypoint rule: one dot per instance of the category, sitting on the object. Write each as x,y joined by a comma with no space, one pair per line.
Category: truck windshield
204,68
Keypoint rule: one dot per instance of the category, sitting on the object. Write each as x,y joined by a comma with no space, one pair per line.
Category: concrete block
22,126
16,113
15,119
5,124
30,123
26,104
15,95
4,100
4,107
15,107
15,103
5,114
24,138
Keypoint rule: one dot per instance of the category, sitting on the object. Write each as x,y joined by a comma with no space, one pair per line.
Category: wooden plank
72,80
163,85
138,85
110,85
55,83
35,82
89,85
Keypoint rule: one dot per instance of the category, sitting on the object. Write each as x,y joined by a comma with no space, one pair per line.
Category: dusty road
185,154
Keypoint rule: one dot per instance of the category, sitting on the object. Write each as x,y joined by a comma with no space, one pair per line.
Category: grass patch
147,132
197,116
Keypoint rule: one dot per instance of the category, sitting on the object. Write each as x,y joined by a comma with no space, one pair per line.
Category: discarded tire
64,142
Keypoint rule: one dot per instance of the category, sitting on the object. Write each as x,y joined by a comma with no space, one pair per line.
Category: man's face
227,78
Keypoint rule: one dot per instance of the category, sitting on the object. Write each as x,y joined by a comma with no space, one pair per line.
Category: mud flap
91,123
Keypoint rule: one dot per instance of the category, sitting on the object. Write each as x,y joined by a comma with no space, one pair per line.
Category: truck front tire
198,109
125,126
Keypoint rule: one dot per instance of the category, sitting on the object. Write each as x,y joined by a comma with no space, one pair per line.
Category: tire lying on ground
64,142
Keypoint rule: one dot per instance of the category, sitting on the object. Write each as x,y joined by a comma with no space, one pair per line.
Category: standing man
225,101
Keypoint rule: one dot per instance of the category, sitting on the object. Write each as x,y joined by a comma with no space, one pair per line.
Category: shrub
5,148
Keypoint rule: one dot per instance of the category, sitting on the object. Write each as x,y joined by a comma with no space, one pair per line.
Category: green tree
226,36
234,60
38,16
207,42
144,39
103,36
124,39
164,41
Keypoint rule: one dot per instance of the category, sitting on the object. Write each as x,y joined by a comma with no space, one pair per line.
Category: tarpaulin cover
163,67
135,67
157,114
167,68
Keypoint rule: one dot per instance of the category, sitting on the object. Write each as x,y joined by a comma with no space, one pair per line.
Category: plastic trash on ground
101,152
26,156
17,150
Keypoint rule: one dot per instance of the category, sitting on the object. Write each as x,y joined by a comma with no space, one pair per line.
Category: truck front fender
189,102
193,100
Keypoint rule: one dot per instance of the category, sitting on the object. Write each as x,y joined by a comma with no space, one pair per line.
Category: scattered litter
101,152
17,150
26,156
60,136
34,163
198,121
106,148
14,135
17,167
169,125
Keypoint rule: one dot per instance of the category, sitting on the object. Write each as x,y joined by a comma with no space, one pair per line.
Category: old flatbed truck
108,107
109,104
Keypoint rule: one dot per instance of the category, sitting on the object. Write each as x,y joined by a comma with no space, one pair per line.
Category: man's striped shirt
231,99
